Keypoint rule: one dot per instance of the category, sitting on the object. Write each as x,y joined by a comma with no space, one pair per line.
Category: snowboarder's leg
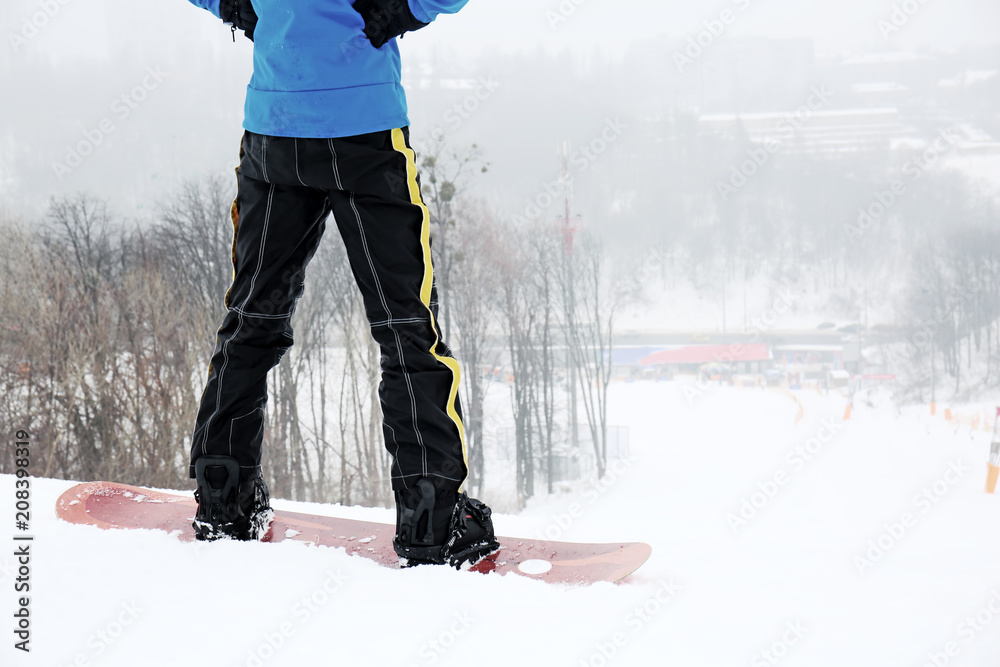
386,230
277,226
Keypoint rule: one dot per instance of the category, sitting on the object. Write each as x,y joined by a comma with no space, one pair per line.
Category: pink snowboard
111,505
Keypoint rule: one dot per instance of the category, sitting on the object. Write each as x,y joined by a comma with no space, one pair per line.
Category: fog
753,134
562,72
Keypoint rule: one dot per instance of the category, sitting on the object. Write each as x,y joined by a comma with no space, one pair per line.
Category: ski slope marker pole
993,466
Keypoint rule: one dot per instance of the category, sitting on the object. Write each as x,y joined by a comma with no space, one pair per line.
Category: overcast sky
84,27
836,25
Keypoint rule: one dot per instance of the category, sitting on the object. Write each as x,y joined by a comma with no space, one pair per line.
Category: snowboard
110,505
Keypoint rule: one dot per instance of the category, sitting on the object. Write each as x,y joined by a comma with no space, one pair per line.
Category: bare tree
474,291
520,317
104,361
445,175
590,303
196,234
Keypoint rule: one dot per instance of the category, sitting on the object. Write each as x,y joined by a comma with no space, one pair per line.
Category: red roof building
703,354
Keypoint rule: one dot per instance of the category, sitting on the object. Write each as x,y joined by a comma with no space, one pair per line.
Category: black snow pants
287,189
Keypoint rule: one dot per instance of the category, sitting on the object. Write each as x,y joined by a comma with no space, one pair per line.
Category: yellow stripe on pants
399,143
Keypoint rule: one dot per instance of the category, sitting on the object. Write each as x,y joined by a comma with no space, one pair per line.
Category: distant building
740,357
830,133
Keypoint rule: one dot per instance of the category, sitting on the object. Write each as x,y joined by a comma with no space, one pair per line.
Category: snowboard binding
439,528
229,507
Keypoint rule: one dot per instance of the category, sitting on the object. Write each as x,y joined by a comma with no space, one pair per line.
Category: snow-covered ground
779,536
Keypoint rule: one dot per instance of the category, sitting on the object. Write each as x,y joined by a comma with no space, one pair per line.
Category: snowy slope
788,581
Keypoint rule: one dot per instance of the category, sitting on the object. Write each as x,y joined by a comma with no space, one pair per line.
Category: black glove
385,19
238,14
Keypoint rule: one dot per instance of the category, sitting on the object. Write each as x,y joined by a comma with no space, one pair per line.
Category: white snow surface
788,582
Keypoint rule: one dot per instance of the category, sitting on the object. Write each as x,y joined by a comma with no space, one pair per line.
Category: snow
867,542
535,566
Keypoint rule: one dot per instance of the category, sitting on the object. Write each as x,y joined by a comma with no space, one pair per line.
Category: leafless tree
590,302
445,174
474,290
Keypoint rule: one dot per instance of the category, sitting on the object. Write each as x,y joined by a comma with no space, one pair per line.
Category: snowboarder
326,132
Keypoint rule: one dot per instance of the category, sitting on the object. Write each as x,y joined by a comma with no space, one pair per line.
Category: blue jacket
315,74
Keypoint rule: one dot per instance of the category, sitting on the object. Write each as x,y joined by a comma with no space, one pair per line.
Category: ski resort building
738,357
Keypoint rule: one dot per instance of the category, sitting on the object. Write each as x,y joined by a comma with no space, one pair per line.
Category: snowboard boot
229,507
441,527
